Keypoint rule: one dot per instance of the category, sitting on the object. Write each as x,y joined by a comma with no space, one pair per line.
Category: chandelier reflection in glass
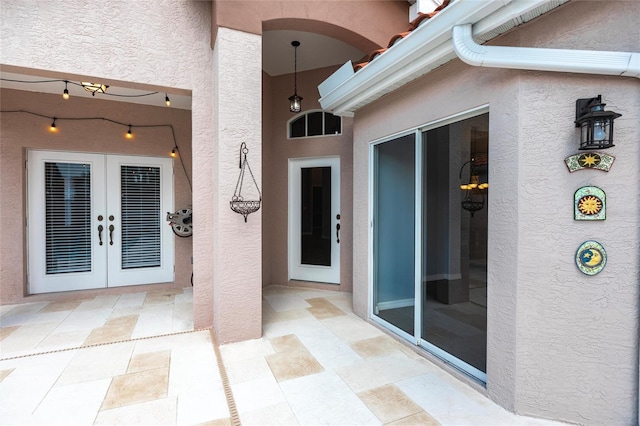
474,199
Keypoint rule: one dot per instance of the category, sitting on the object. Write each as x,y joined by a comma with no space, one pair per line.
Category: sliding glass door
394,233
429,238
454,243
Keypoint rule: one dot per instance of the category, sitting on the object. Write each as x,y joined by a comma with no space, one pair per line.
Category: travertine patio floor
135,359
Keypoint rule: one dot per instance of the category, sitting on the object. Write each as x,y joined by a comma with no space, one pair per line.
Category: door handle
338,233
100,228
111,228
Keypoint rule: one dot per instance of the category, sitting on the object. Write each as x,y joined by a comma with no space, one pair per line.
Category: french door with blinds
97,221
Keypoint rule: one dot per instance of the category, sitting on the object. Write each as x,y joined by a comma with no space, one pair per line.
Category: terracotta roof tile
397,37
422,17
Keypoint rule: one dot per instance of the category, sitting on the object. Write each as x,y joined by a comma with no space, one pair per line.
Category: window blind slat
67,217
140,212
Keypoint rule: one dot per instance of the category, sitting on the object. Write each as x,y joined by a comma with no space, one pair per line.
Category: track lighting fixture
65,94
129,133
167,101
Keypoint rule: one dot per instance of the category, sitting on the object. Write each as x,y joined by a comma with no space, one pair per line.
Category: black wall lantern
596,124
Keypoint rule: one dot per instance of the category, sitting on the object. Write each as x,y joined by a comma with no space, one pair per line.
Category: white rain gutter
431,45
624,64
425,48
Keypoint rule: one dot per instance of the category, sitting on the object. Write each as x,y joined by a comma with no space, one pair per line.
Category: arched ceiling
315,51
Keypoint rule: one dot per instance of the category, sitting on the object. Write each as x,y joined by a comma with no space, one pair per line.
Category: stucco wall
561,344
237,253
163,43
20,131
277,152
355,22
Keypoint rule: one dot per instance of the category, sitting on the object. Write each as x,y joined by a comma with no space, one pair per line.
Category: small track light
65,93
167,100
129,133
53,128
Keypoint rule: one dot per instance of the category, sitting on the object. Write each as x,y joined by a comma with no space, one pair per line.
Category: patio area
135,359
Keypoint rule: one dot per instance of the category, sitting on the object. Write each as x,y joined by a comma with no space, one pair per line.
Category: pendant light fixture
94,88
295,101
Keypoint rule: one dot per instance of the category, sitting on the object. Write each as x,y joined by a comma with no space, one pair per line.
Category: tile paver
316,363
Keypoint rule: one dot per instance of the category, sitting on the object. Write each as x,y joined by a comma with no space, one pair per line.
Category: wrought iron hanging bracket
238,203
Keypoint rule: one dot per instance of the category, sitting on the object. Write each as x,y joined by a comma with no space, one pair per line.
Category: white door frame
39,280
106,259
297,270
118,276
373,169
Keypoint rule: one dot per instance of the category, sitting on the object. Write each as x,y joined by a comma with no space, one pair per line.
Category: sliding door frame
420,168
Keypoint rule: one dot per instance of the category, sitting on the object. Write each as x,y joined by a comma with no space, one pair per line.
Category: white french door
314,219
97,221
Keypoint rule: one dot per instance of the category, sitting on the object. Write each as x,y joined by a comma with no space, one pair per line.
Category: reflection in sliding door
394,232
454,246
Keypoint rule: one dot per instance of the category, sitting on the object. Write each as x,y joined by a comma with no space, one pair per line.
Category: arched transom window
314,123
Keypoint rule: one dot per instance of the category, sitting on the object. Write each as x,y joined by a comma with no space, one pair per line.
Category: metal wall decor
589,160
591,257
238,203
589,204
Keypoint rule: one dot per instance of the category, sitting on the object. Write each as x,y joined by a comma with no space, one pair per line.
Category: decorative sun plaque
589,160
589,204
591,257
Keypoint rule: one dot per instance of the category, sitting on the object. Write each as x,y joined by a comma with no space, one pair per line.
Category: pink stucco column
236,247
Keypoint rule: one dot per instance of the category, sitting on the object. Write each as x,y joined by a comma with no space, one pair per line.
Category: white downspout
626,64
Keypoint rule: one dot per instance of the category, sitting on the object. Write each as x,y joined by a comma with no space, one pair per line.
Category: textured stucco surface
277,152
561,344
20,131
355,22
237,246
163,43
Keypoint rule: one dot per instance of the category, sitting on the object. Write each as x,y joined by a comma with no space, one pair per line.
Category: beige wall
561,344
20,132
237,245
163,43
276,154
